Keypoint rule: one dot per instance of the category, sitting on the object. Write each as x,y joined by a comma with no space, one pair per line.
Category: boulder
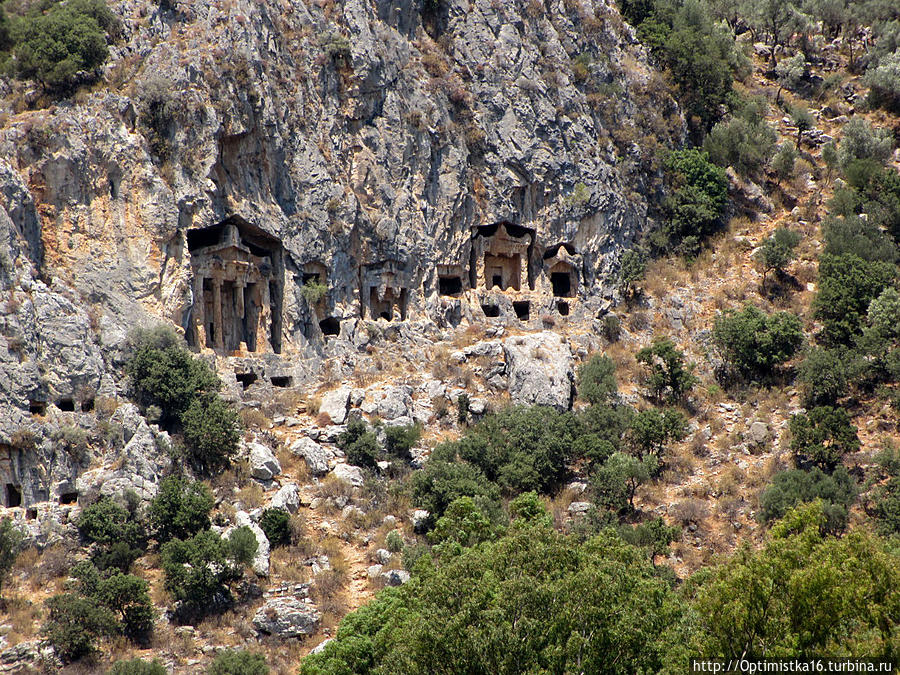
395,403
420,519
394,577
349,474
261,559
287,498
335,404
374,571
315,455
540,370
287,617
579,508
759,432
383,556
263,463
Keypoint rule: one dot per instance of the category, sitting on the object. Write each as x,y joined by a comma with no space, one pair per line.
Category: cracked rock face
540,369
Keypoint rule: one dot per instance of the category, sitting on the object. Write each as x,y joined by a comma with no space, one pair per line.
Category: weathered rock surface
287,498
349,474
263,463
288,615
335,403
315,455
540,369
261,559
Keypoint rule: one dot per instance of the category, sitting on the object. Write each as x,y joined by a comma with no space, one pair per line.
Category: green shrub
197,571
313,291
238,663
886,506
789,488
783,161
597,380
755,343
614,484
884,83
698,195
826,374
880,339
399,440
517,605
462,409
360,444
158,106
632,270
180,509
522,448
861,141
822,437
242,545
393,541
777,251
137,667
853,235
745,142
653,535
668,377
10,546
75,624
52,47
462,525
651,431
276,523
529,508
211,432
847,285
439,483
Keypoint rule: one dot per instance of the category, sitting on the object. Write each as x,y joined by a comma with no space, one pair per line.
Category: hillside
308,300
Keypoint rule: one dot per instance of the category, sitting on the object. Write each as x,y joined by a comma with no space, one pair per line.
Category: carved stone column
217,314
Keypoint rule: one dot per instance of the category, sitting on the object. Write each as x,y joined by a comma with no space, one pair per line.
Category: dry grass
251,496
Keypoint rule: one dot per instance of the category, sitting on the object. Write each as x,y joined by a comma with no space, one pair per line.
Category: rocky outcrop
540,370
288,613
315,455
263,463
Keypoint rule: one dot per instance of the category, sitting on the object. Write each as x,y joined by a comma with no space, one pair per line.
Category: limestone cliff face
372,144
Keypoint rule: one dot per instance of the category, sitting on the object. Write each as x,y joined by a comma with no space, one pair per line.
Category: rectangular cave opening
562,284
503,271
66,405
246,379
30,513
563,308
522,309
491,310
87,405
38,408
330,326
450,285
281,381
70,497
12,495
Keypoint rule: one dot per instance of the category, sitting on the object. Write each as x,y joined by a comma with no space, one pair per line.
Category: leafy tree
232,662
783,161
632,270
886,505
399,440
777,251
754,343
439,483
180,509
197,571
462,408
826,374
861,141
597,380
653,535
822,437
360,444
698,195
522,448
615,483
137,667
669,378
118,536
803,120
745,142
796,486
651,431
789,74
528,508
211,432
128,598
801,594
242,545
313,291
10,545
75,623
884,83
462,525
773,18
276,523
847,285
54,46
880,339
532,601
852,235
